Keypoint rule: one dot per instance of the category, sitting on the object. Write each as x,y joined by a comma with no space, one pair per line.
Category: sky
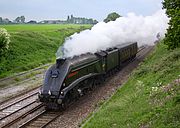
59,9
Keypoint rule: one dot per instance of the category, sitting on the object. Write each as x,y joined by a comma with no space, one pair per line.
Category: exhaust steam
133,28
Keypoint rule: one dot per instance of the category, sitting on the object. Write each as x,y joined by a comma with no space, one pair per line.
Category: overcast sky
59,9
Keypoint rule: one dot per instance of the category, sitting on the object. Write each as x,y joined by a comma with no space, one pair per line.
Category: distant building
53,22
32,22
79,20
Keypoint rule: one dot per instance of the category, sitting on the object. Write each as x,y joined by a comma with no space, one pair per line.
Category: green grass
41,27
34,45
146,100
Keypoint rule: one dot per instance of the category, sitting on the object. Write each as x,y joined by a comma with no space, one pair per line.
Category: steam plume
132,28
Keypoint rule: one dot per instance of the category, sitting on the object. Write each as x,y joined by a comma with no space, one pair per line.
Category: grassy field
34,45
41,27
146,100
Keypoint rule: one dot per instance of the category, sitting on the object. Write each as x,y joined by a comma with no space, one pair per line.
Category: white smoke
132,28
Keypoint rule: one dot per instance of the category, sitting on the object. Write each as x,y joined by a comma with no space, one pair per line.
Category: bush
4,41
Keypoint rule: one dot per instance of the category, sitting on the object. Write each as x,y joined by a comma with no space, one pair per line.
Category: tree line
20,19
70,20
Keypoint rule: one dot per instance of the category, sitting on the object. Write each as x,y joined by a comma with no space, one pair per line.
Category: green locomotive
70,78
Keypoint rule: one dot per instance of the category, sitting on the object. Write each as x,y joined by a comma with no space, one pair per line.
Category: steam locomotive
70,78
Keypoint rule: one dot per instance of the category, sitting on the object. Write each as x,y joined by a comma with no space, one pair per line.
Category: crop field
34,45
41,27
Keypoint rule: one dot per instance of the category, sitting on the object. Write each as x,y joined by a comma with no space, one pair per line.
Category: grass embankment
146,100
34,45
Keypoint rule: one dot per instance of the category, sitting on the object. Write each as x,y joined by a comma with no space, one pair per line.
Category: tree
68,19
95,21
20,19
6,21
4,41
112,17
1,20
17,20
173,33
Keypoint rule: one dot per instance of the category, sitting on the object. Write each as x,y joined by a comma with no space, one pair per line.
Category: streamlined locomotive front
50,92
64,80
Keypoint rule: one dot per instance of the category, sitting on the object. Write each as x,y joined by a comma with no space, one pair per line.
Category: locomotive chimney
60,61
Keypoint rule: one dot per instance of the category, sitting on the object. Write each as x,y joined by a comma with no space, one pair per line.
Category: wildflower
154,89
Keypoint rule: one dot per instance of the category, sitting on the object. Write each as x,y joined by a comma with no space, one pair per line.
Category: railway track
41,120
143,51
25,72
12,109
18,98
25,108
14,122
141,48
